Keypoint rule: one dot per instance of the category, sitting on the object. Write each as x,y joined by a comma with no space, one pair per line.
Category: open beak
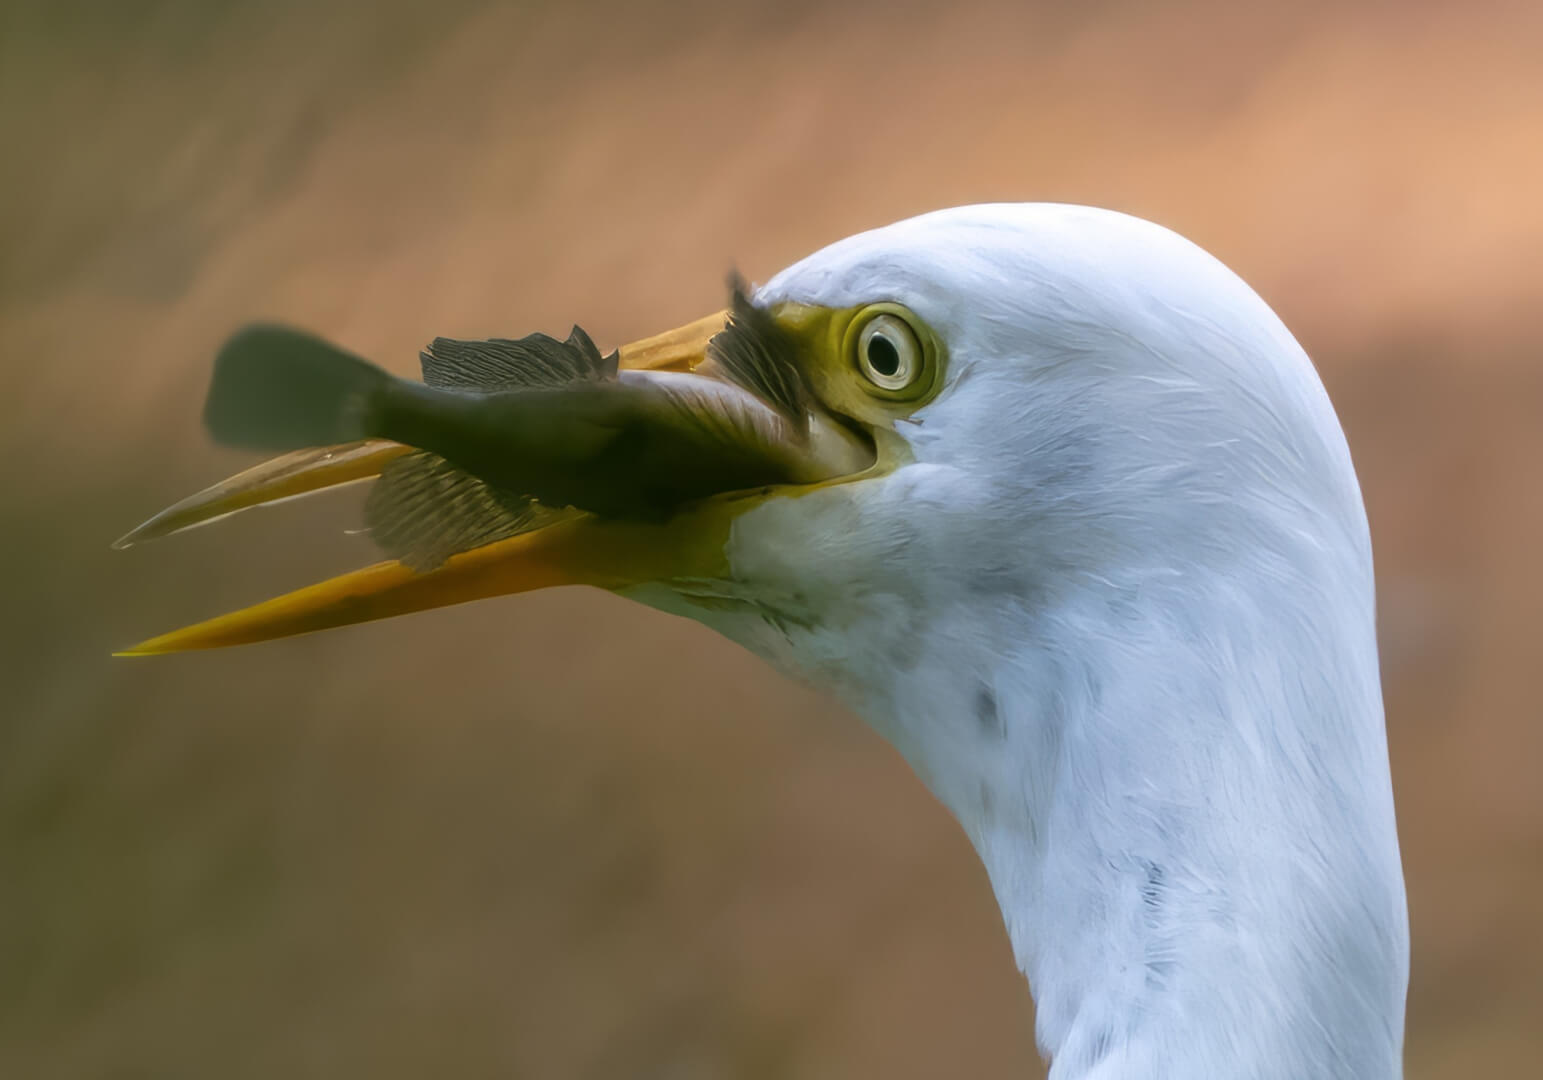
571,546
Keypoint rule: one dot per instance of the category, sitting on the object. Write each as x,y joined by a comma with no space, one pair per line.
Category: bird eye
888,352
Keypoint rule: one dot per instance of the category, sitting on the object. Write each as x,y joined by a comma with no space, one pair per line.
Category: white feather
1118,615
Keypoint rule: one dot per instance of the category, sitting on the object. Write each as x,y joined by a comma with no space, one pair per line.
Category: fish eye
888,353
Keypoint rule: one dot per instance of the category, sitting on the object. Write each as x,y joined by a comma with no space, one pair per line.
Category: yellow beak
577,548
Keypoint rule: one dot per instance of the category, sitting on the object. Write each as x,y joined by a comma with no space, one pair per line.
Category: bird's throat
1197,879
1178,783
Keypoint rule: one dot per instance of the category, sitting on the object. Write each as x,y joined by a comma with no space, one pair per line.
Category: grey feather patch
509,364
423,510
759,355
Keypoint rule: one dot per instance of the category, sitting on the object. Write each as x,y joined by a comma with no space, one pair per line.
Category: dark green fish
514,429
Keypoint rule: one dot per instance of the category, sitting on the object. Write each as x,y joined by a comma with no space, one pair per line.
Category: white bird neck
1178,783
1188,827
1181,796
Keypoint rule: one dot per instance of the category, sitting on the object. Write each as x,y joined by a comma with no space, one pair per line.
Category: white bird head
1109,402
1058,505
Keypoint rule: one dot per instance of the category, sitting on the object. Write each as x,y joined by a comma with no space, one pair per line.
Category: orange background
558,835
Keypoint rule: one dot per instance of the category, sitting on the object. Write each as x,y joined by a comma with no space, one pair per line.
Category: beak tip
156,646
145,530
152,647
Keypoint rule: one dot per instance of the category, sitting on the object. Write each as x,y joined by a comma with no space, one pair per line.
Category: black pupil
883,357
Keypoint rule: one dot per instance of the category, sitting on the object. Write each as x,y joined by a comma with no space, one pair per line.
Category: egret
1046,495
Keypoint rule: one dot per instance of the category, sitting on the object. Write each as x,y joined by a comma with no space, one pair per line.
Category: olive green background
559,836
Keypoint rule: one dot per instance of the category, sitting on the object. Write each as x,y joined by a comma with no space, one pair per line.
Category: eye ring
888,353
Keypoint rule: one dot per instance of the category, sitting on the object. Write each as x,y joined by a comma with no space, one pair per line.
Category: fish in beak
519,464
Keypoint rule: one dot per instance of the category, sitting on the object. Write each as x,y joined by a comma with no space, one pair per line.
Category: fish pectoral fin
422,510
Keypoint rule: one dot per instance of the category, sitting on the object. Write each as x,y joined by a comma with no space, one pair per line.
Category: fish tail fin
280,389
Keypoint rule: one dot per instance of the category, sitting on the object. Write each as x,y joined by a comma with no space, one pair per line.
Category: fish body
549,421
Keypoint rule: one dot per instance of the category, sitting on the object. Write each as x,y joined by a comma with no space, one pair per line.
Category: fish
506,435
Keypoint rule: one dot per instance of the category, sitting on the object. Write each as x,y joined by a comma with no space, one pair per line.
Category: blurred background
557,835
